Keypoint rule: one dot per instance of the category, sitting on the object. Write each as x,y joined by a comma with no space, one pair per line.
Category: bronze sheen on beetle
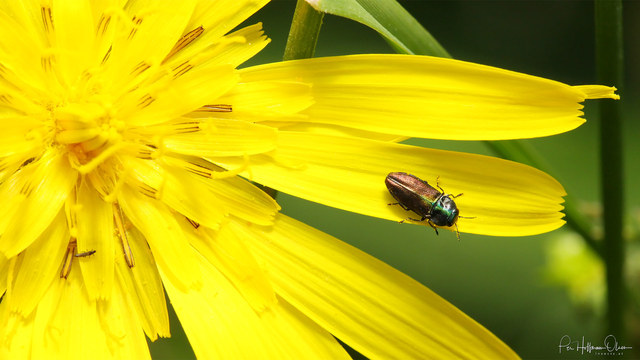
415,194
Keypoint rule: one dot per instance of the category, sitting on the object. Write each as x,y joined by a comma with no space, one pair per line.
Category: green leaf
403,32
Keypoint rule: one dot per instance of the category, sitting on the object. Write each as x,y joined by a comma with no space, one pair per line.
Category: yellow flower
125,125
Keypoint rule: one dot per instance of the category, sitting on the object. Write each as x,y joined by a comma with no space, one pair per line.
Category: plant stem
303,35
301,44
609,55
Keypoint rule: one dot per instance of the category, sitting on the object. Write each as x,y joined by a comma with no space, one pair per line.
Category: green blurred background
497,281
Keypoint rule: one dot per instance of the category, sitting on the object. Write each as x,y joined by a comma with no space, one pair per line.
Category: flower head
125,126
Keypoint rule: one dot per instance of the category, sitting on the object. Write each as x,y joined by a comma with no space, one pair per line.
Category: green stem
301,43
303,35
609,55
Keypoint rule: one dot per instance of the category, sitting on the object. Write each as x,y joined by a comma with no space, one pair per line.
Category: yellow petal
120,323
181,193
221,137
597,92
232,49
42,188
144,288
267,99
226,251
15,333
37,267
95,233
74,38
4,271
245,200
22,42
67,318
238,331
505,198
147,34
374,308
67,325
171,97
164,236
428,97
18,135
232,195
221,16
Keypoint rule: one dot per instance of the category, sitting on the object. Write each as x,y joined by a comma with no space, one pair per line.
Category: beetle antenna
438,184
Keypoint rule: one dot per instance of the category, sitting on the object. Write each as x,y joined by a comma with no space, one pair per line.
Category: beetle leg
457,232
401,205
433,226
442,190
412,219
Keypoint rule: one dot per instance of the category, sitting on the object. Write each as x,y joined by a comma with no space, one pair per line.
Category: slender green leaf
390,19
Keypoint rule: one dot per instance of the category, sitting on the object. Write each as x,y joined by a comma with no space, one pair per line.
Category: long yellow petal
95,233
374,308
67,325
428,97
74,38
222,137
164,236
173,96
225,249
233,195
226,327
221,16
17,135
143,285
181,193
232,49
119,321
146,34
268,100
43,186
503,197
39,265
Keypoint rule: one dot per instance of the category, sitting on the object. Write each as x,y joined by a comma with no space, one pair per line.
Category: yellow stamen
185,40
122,234
47,18
93,163
68,259
193,223
216,108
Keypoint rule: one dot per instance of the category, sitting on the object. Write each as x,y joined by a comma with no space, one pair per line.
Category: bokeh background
499,282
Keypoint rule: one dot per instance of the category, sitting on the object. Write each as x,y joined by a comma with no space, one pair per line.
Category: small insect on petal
85,254
415,194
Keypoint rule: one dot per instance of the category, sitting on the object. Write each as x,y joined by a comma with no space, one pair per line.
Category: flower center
88,130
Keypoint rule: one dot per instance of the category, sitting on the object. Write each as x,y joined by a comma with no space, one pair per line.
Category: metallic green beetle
418,196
